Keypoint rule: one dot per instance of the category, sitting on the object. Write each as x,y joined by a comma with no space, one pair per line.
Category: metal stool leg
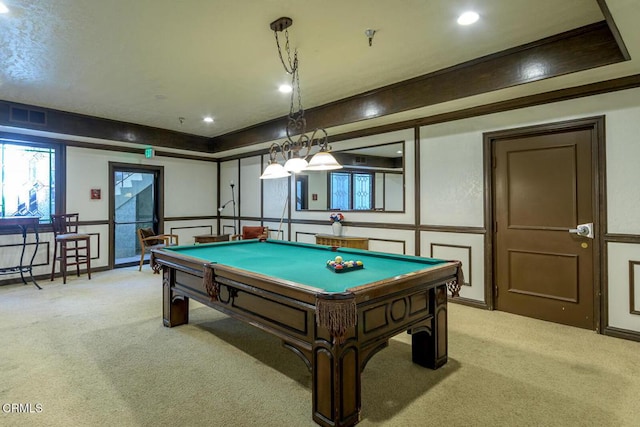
63,261
89,258
53,262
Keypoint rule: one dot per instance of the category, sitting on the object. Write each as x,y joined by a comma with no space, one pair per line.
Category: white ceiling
151,62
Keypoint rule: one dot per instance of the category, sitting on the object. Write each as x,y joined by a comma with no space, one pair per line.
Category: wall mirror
372,179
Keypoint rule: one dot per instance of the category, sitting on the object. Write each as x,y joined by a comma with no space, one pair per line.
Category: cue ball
338,259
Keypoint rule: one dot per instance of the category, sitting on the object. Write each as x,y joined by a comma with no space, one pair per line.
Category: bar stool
75,248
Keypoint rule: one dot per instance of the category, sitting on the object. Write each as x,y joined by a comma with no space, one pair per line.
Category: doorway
545,234
135,202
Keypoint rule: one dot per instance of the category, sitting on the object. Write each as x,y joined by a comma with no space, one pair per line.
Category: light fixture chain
293,65
298,88
295,88
300,147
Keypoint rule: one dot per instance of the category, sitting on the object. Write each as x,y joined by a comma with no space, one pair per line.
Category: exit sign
148,152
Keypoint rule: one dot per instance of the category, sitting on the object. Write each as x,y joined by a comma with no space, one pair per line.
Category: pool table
334,321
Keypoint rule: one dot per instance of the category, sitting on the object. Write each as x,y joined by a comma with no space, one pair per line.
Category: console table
23,223
210,238
342,241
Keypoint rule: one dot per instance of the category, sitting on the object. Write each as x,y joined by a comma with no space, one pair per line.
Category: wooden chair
252,232
150,240
70,247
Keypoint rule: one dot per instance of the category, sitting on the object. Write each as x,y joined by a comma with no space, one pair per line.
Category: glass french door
134,204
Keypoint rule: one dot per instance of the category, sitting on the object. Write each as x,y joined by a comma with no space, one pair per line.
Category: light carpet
95,353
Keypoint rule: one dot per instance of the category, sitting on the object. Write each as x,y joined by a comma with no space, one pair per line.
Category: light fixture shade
274,170
323,161
295,164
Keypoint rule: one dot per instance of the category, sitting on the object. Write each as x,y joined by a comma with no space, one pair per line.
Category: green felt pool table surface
306,263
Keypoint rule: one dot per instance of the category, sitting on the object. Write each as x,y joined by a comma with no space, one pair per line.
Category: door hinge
495,294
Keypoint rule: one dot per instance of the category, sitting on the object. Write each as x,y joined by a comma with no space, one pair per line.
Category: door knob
583,230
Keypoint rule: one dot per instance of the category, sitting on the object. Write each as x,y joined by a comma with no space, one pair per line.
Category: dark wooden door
543,189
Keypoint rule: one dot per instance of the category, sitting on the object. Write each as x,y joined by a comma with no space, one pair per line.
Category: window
351,190
28,177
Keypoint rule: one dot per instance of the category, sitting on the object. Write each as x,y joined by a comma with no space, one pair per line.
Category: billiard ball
338,259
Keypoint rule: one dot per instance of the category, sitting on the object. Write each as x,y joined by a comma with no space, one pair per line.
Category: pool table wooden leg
430,349
336,383
175,309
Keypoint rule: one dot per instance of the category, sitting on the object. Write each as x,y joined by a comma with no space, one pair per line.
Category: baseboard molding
621,333
46,277
469,302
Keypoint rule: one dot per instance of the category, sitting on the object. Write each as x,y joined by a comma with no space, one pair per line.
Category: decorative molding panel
227,229
451,252
634,267
388,245
96,254
13,250
304,237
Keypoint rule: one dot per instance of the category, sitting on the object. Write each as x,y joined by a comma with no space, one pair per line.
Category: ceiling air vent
360,160
24,115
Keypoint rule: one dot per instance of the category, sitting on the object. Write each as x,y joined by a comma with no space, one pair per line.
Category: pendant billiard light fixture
296,151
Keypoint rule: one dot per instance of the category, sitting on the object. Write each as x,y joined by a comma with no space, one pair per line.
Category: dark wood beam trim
105,147
613,28
417,191
621,238
95,127
159,153
11,136
452,229
580,49
190,218
622,83
93,222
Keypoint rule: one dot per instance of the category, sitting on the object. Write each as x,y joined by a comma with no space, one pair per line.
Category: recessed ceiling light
285,88
3,8
468,18
208,119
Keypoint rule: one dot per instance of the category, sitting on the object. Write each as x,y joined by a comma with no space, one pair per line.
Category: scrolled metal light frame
298,143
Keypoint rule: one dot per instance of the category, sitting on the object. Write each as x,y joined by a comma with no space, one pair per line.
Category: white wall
190,190
274,196
452,191
623,170
249,197
451,182
451,179
621,277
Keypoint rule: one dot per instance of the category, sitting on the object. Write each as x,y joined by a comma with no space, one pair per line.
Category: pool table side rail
301,291
447,270
197,267
290,300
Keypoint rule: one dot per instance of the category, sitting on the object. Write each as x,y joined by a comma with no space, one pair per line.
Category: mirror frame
355,167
